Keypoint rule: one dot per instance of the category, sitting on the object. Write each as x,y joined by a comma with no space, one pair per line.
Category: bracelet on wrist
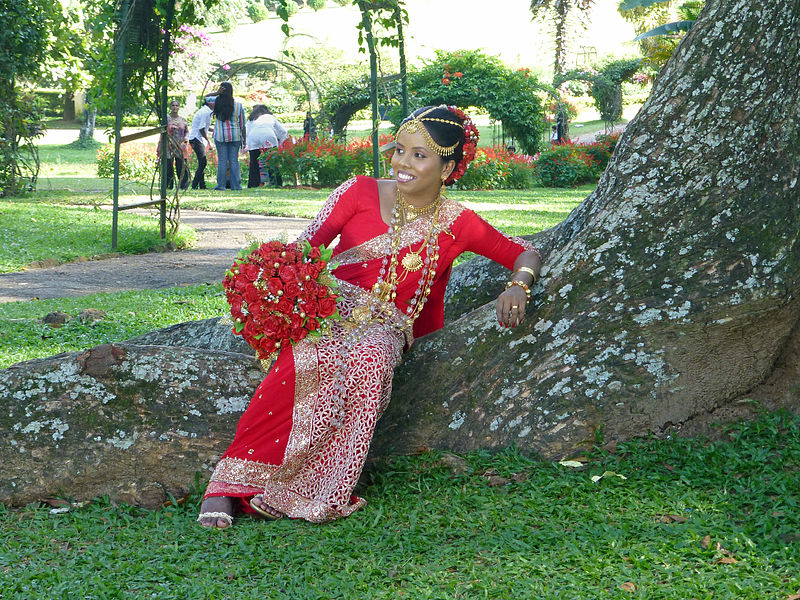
519,283
529,271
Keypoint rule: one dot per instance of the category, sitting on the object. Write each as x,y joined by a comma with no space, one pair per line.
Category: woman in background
229,137
263,131
177,135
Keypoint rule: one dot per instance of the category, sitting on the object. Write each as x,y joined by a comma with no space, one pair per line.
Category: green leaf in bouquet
325,253
258,336
306,247
238,327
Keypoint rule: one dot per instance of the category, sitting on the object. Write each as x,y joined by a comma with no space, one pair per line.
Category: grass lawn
33,231
23,336
691,520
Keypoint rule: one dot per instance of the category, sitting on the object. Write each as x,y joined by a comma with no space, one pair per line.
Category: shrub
257,12
322,162
565,165
497,168
137,162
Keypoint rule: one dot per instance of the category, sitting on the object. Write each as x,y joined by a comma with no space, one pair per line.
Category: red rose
310,308
252,295
250,271
312,324
310,289
295,321
291,289
314,253
250,330
285,306
287,273
322,291
274,285
299,333
327,306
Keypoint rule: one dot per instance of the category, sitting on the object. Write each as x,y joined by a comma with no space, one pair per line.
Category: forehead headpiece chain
415,125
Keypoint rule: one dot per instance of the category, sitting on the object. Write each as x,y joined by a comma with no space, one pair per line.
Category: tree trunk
672,290
86,135
671,299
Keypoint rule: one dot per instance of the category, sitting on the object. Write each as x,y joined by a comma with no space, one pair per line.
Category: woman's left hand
511,306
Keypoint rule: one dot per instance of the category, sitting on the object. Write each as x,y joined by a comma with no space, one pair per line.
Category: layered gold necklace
412,261
386,287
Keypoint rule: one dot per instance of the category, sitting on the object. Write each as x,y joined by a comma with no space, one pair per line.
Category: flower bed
137,162
569,164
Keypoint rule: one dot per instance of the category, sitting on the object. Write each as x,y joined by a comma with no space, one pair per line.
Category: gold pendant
383,290
412,262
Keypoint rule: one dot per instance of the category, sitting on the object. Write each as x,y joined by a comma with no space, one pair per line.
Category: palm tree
564,14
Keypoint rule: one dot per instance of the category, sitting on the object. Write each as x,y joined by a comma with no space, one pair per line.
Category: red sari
303,439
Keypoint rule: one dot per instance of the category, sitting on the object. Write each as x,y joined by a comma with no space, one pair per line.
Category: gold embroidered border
240,471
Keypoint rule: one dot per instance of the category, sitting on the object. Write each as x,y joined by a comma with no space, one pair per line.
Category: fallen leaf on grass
494,479
723,550
794,596
597,478
672,518
726,560
628,586
571,463
706,542
778,513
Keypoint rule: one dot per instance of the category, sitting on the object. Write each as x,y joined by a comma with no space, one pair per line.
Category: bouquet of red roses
279,294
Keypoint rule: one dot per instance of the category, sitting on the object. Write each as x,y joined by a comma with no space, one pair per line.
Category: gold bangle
520,284
531,272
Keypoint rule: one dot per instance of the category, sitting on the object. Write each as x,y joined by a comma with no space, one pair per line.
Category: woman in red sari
302,442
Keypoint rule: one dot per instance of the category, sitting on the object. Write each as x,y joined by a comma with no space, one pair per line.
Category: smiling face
418,170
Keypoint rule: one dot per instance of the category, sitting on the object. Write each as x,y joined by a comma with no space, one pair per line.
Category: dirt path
221,235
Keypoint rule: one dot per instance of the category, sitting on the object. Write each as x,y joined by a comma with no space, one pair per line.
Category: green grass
549,534
33,231
65,168
128,314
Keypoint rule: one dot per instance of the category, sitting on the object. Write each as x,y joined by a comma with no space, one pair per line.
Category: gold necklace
412,261
410,212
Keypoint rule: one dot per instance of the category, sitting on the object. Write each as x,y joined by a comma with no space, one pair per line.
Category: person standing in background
177,132
229,136
201,123
263,131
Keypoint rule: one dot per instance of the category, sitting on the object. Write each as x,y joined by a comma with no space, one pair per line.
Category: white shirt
264,132
200,120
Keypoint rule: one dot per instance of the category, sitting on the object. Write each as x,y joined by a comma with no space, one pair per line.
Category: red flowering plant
280,294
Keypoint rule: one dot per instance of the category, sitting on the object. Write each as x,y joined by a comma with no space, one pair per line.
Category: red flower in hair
471,135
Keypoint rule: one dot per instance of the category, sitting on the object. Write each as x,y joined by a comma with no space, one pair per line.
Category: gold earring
443,191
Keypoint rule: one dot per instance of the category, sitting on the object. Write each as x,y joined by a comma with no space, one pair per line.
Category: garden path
221,236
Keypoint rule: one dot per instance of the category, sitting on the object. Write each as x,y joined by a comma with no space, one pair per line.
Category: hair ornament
471,135
415,124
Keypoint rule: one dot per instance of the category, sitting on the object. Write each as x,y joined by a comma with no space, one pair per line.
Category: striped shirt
233,130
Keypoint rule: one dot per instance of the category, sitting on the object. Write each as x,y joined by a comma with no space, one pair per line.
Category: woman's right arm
340,206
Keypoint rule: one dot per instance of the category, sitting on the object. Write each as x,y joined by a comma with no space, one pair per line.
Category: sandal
269,512
216,515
